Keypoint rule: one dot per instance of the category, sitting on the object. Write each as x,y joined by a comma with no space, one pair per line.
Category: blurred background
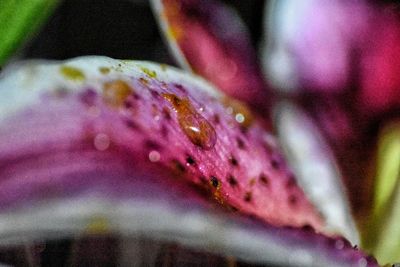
124,29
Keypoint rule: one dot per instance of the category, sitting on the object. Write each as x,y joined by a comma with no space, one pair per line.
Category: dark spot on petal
233,161
166,113
248,197
252,181
231,208
164,130
154,93
180,88
203,180
275,163
190,160
292,200
136,96
152,145
291,182
243,130
178,166
133,125
88,97
308,228
232,181
216,119
214,181
128,104
240,143
264,179
144,81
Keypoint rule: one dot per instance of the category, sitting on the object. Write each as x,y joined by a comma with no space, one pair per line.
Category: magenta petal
99,139
152,117
209,38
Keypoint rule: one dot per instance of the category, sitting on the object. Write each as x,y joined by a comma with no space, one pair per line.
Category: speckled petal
155,117
95,144
208,37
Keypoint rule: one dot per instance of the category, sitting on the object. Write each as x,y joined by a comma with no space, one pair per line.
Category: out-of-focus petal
347,48
209,38
315,166
338,59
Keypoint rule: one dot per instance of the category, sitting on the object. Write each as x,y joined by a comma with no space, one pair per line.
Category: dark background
123,29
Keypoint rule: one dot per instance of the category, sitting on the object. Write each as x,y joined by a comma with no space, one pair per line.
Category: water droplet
199,131
101,142
362,262
239,118
229,110
339,244
72,73
154,156
115,92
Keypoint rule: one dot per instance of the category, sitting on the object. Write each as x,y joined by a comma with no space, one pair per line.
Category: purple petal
95,139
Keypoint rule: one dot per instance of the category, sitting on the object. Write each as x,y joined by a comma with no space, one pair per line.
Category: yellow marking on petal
72,73
104,70
150,73
115,92
98,225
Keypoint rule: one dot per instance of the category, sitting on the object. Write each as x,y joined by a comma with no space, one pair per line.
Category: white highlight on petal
315,167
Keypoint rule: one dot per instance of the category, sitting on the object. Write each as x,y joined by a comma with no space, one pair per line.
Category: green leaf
382,235
18,20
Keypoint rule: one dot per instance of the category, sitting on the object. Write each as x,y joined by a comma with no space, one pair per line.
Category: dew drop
239,117
154,156
115,92
339,244
199,131
363,262
101,142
